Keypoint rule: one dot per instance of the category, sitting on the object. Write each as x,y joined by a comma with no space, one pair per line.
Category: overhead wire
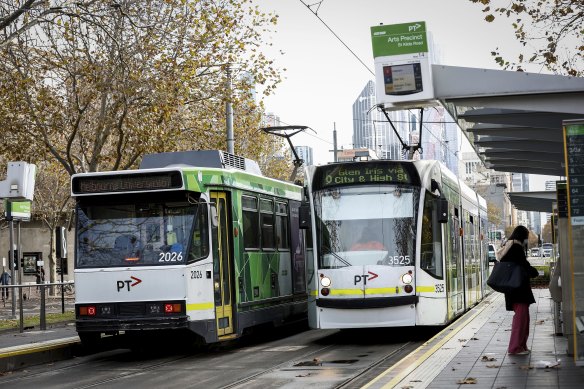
336,36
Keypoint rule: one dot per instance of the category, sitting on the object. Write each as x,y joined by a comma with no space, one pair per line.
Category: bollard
43,311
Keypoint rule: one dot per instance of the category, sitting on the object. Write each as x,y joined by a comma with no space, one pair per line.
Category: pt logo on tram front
364,277
128,283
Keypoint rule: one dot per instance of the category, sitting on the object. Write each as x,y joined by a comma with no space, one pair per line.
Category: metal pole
62,287
12,266
335,141
43,311
229,114
19,251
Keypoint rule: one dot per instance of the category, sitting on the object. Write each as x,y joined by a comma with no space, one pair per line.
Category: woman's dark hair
520,233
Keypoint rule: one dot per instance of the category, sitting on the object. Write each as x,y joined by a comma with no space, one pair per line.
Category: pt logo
128,283
370,276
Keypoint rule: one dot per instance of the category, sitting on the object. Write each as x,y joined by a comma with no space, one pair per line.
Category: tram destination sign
365,173
574,143
135,182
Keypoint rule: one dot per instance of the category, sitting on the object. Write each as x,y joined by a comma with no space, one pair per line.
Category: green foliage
551,29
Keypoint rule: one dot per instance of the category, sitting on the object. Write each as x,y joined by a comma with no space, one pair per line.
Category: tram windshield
141,234
361,226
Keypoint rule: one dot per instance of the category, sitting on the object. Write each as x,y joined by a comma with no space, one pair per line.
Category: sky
322,78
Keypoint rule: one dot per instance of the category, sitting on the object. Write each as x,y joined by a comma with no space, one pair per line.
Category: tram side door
222,263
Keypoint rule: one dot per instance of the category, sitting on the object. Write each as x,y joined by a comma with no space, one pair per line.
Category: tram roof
513,119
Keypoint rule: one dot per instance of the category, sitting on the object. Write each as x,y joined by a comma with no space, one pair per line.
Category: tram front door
222,263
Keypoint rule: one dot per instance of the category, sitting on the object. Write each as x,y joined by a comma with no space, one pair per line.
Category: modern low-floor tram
394,243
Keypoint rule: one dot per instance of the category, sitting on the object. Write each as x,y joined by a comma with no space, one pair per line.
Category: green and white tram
395,243
197,241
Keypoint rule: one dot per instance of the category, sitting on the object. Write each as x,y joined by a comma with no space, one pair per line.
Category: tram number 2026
439,288
170,257
196,274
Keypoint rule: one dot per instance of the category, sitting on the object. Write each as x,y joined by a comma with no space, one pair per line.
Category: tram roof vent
199,158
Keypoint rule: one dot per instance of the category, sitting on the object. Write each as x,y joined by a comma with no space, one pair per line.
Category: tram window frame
282,223
431,260
203,224
250,222
267,221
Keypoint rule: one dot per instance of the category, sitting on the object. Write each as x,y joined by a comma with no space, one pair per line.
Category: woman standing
519,300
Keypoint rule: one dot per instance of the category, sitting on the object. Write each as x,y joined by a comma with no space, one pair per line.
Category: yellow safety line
423,289
33,348
398,378
347,292
200,306
380,290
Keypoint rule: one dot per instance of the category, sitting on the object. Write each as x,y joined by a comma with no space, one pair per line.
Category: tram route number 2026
172,256
439,288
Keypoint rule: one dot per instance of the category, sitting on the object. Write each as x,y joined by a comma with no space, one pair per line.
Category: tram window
251,228
282,226
267,224
200,241
431,244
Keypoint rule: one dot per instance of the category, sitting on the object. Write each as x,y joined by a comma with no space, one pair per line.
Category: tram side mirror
214,217
442,210
304,216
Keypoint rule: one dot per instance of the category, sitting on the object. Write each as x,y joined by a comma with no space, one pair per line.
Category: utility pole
229,113
335,141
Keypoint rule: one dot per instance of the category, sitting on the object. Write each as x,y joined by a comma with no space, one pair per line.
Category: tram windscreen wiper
338,257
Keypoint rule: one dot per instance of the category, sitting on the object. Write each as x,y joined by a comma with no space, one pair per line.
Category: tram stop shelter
515,122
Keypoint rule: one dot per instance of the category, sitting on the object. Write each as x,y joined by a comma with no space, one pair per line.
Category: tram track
342,360
349,383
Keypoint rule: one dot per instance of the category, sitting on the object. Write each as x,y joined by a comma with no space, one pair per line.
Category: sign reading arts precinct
396,39
365,173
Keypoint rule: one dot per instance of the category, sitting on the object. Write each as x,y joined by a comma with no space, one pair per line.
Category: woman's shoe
524,352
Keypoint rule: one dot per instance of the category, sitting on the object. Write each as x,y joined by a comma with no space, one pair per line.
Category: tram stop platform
472,353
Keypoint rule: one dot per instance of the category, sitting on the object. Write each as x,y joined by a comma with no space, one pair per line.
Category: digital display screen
402,79
126,182
364,173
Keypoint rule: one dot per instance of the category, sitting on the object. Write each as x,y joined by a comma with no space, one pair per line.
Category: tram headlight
325,281
407,278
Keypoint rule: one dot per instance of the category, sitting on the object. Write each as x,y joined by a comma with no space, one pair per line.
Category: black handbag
506,277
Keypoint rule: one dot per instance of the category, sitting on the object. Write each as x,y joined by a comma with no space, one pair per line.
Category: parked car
491,253
534,252
546,249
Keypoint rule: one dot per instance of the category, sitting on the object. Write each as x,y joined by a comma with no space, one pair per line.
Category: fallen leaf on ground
486,358
526,367
494,366
474,338
468,380
539,322
462,340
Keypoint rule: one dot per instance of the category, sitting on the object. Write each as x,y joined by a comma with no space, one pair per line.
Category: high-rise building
440,137
305,152
371,129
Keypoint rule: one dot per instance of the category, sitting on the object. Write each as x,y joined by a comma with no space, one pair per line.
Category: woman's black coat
524,295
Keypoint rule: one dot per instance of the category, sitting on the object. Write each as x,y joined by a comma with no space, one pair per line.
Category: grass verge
34,321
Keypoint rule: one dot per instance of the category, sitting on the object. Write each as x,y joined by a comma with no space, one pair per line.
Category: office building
305,152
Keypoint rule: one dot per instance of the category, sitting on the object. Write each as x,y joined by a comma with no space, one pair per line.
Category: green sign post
19,210
396,39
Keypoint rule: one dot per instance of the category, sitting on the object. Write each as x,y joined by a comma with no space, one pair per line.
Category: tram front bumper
133,324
